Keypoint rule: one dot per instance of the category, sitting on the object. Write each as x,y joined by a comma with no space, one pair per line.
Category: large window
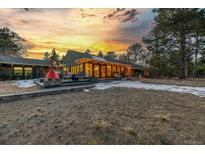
109,73
118,69
65,70
18,72
28,72
76,69
88,69
103,71
96,71
72,70
114,69
81,68
122,71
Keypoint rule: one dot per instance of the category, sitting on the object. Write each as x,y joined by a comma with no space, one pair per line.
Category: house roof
72,56
23,61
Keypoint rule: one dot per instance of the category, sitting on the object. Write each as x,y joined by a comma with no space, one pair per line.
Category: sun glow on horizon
77,29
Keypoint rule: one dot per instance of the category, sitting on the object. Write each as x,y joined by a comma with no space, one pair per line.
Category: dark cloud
114,13
123,15
86,15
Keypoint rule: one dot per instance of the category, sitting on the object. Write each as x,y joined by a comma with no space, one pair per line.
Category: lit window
28,72
88,69
109,71
103,71
18,72
96,71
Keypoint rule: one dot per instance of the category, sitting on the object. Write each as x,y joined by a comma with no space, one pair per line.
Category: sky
78,29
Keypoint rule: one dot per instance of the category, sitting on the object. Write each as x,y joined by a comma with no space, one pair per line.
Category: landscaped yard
111,116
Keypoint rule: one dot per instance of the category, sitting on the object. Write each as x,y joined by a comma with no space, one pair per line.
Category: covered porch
100,68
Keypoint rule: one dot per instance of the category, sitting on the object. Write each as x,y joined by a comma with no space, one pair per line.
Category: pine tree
100,54
111,55
137,54
198,35
55,57
88,51
178,25
123,58
46,56
11,43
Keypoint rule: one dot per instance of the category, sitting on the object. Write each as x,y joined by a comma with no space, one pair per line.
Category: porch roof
23,61
74,57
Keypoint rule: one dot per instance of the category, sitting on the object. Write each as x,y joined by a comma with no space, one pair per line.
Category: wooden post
23,75
100,71
93,75
105,71
12,71
83,67
111,71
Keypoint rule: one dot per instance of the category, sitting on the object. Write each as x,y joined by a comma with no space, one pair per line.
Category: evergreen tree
198,35
162,62
100,54
88,51
11,43
55,57
111,55
178,25
123,58
136,54
46,56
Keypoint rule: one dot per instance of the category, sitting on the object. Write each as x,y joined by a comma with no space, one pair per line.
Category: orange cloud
76,29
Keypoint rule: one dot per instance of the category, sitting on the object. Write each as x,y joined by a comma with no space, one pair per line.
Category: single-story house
99,67
22,68
93,66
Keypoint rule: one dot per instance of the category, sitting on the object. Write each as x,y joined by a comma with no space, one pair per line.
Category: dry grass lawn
112,116
9,87
188,82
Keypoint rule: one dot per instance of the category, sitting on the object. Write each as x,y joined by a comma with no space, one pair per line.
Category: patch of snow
198,91
25,83
86,90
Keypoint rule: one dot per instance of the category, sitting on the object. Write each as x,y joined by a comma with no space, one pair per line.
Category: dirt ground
112,116
188,82
9,87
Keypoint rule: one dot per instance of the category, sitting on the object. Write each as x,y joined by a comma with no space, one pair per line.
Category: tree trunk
196,55
182,43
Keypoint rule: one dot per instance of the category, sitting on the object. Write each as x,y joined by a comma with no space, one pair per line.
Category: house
93,66
22,68
99,67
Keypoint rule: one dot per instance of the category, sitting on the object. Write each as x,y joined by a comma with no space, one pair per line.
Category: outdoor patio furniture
81,76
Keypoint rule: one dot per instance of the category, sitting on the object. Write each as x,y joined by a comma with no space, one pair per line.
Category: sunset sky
77,29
